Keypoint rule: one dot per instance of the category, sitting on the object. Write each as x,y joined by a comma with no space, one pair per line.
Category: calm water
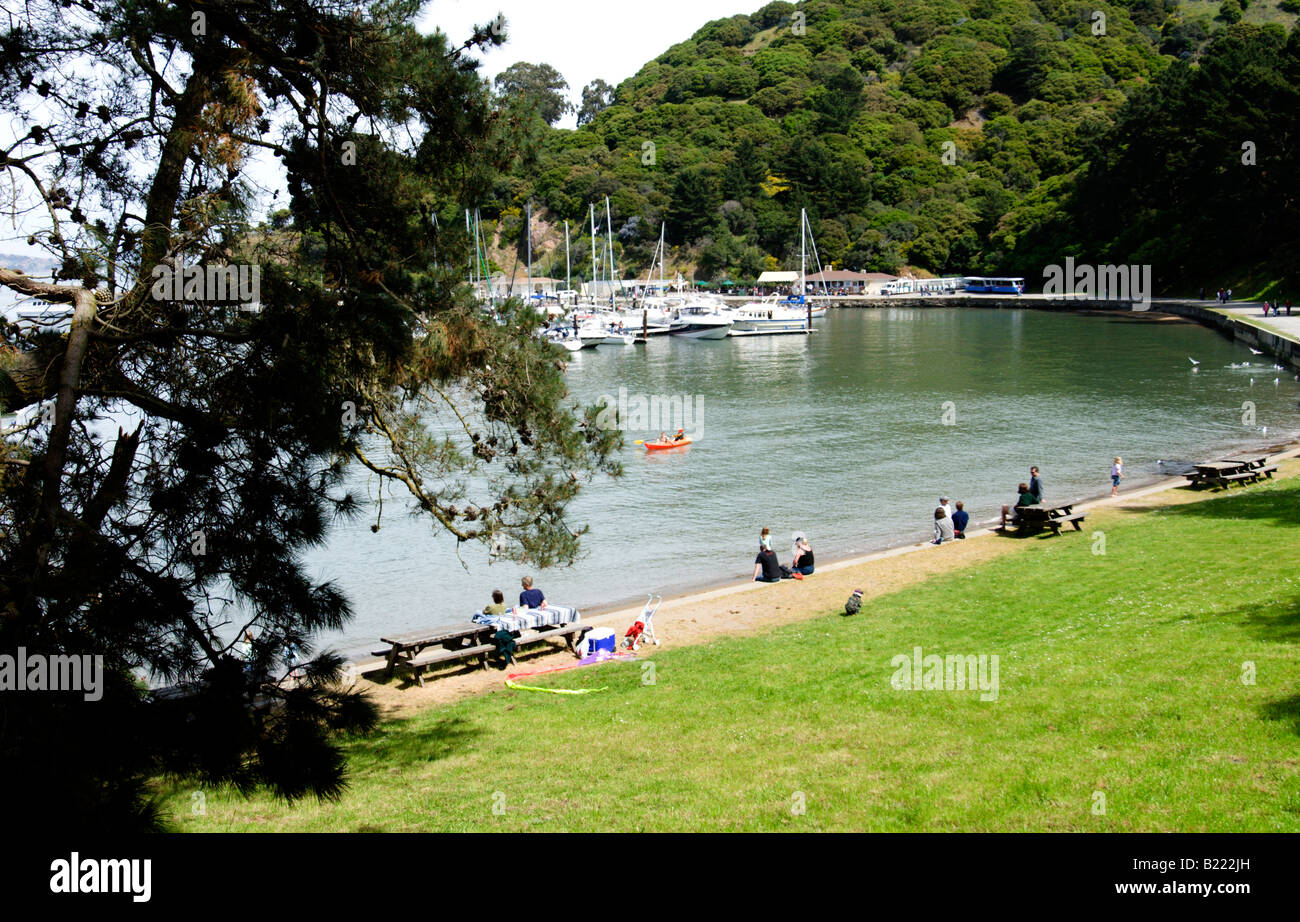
841,435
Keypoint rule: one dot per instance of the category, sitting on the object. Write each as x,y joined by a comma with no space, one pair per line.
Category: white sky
582,39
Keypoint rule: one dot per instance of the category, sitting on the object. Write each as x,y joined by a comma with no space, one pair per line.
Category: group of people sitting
529,598
767,569
949,524
1029,494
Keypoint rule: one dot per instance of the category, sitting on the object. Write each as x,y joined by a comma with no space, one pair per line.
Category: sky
582,39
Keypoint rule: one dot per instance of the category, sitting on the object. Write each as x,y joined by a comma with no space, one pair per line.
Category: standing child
1116,475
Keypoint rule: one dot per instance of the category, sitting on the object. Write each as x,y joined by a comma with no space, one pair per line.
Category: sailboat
777,315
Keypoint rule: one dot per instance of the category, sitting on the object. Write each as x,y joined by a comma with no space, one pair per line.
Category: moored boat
701,321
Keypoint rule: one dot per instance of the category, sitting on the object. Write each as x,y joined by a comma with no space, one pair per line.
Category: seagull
1256,351
1192,360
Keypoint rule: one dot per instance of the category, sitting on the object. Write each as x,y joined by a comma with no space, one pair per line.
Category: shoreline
1182,311
695,589
699,615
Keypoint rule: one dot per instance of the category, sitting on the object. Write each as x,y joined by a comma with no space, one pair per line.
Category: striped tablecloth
528,618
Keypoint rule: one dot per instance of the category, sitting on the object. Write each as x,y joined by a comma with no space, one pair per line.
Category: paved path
1254,311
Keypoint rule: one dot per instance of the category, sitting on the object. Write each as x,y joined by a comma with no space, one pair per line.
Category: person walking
1116,475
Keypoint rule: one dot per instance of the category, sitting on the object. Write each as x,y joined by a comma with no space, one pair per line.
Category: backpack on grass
854,604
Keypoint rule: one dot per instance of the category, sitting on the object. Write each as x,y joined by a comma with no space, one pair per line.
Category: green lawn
1119,673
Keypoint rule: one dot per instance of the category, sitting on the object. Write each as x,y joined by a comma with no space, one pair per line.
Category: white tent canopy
776,278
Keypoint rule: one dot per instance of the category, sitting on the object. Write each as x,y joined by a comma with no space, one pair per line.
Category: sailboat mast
592,210
568,269
473,259
662,254
609,236
803,224
528,229
480,257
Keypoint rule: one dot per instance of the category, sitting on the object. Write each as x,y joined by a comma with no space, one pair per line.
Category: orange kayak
662,446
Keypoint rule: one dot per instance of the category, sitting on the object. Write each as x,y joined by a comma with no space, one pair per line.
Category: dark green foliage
155,544
845,119
1199,175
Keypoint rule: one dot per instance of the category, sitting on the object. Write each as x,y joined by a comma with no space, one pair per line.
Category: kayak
662,446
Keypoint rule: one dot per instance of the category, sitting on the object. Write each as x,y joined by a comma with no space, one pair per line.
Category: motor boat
768,317
697,320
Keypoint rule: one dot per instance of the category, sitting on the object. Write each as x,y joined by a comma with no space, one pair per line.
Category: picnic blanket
529,618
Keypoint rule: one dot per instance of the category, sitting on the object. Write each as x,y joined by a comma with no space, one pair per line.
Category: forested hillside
947,135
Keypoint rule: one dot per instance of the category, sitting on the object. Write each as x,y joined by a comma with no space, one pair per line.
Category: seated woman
942,526
1026,499
498,606
803,556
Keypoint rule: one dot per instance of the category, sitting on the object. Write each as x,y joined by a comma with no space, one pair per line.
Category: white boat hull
700,330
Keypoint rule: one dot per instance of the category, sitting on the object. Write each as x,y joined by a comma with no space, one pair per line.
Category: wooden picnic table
412,643
1228,471
464,641
1041,515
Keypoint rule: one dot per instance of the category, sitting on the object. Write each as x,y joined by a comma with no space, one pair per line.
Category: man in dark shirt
766,568
959,520
1035,485
530,597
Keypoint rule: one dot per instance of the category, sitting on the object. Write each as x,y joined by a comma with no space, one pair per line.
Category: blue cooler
601,638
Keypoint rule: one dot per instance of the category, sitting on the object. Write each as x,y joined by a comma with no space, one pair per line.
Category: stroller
644,628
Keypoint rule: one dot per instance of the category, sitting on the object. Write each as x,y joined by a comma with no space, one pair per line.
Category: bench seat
434,656
1074,518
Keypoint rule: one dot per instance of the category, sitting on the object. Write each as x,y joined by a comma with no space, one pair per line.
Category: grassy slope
1119,672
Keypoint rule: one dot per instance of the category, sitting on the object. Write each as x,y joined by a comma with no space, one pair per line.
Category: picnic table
1227,471
1037,516
418,650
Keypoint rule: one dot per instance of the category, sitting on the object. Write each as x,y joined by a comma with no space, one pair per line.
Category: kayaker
681,434
663,437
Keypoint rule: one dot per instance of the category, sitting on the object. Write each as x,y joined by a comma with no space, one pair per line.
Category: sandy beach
745,607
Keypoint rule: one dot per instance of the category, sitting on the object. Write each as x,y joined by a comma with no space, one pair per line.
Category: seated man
959,520
1026,499
498,606
530,597
766,567
681,435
